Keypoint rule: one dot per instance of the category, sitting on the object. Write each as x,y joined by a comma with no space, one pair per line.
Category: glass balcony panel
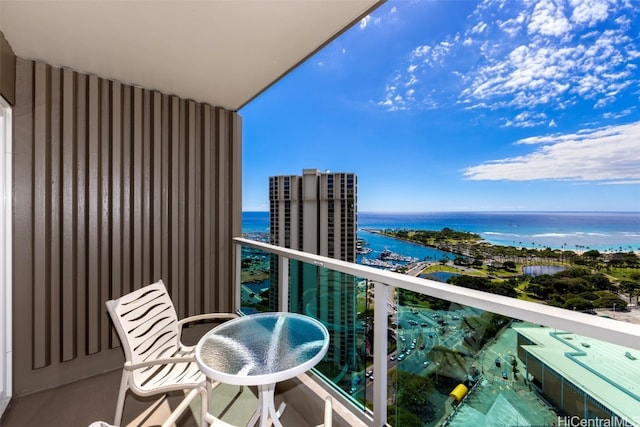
342,303
456,365
255,268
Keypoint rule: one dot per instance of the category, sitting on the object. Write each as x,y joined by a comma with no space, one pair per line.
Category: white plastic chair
156,361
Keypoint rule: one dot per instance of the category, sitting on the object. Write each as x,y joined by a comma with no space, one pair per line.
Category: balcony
79,403
471,355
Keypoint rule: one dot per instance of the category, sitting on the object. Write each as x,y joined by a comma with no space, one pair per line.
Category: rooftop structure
607,373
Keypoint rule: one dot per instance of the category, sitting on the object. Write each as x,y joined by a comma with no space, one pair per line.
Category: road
429,329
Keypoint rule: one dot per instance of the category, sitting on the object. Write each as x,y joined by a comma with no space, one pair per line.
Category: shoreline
484,241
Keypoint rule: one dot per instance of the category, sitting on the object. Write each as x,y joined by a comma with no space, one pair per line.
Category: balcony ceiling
221,52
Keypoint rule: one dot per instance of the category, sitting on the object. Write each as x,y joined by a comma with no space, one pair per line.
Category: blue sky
455,105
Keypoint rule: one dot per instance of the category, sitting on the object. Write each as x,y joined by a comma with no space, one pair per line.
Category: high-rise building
317,213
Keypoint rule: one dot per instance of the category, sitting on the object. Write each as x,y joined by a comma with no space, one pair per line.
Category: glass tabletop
262,348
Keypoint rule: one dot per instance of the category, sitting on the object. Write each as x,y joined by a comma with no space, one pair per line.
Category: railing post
283,283
380,341
237,287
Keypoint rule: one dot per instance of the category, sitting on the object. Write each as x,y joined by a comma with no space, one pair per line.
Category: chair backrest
146,322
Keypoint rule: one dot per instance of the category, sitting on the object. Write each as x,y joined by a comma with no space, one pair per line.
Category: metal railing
605,329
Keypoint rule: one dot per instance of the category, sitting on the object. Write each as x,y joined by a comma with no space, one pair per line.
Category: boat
387,255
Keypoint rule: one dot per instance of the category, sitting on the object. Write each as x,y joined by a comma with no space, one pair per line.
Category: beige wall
114,187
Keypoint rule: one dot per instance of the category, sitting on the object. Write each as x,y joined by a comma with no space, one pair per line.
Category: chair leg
204,404
328,412
173,417
124,386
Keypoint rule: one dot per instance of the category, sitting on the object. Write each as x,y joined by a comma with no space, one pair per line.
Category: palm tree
631,288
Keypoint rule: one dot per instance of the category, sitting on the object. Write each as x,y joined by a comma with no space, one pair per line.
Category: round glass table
261,350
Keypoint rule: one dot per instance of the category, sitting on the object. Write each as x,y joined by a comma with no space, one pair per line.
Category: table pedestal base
266,407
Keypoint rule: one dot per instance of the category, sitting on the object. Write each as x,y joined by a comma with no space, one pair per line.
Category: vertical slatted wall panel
79,104
69,201
41,294
115,187
116,191
207,248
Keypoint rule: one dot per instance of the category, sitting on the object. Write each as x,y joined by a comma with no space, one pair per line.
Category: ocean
603,231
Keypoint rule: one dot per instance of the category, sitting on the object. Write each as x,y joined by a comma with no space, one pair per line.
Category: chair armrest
168,360
191,319
206,316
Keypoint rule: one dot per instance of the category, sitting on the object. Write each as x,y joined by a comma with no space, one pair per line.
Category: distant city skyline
463,106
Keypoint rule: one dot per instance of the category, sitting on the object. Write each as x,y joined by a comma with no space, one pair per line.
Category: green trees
578,303
576,288
514,367
509,265
411,393
609,300
630,288
482,329
431,237
484,284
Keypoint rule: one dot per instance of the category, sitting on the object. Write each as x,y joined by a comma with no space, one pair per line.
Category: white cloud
589,12
413,80
512,26
420,51
527,119
609,155
364,22
548,19
539,71
527,53
439,52
618,114
480,27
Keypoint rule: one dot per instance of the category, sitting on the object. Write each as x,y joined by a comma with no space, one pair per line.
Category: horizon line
474,211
